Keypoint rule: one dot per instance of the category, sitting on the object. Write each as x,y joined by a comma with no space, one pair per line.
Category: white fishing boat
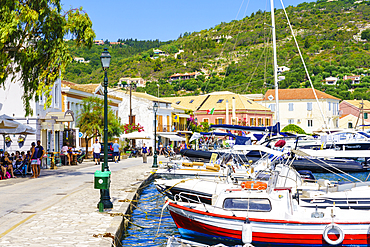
269,217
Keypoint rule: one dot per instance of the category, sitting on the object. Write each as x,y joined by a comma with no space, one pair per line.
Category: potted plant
21,139
8,139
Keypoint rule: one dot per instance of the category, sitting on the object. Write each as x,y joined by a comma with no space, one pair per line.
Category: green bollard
101,207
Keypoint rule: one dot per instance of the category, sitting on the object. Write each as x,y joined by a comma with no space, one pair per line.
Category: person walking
96,151
116,151
33,159
40,153
144,151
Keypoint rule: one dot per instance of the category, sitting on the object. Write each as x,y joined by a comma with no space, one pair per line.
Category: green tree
91,120
158,65
366,34
31,42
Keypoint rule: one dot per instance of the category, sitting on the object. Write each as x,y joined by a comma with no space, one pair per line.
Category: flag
211,111
175,119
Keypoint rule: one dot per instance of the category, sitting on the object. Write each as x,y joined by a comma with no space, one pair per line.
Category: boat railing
186,196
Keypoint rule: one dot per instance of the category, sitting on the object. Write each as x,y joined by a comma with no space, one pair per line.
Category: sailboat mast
275,61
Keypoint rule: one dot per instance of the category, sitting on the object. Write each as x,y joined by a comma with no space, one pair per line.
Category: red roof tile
298,93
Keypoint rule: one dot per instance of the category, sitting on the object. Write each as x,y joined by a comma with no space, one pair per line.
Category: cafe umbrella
9,126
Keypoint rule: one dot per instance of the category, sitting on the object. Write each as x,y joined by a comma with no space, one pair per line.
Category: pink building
230,108
353,107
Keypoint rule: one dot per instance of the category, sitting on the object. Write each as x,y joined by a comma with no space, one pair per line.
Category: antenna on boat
275,61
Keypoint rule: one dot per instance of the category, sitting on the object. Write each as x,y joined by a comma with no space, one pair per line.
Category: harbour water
145,220
146,217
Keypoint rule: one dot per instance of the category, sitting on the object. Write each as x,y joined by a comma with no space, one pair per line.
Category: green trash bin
102,180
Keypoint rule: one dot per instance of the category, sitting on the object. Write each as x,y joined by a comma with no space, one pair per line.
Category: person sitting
6,165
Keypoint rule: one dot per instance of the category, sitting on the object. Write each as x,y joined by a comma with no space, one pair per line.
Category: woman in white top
64,151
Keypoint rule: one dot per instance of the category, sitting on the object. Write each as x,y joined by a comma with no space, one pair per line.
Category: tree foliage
31,43
91,120
237,56
295,129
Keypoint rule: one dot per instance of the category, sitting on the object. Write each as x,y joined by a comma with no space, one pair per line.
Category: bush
292,128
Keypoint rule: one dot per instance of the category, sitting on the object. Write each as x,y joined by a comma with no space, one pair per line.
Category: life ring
326,234
254,185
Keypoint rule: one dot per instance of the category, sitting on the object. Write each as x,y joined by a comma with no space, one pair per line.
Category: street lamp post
155,109
104,194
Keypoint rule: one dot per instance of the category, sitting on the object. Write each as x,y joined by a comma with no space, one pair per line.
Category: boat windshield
248,204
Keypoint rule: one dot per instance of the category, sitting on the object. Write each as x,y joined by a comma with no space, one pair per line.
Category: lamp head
105,59
155,107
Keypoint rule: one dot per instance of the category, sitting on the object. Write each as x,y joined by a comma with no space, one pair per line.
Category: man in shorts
96,151
40,153
116,151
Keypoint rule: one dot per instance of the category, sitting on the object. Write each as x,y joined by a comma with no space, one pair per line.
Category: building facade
299,106
358,109
49,122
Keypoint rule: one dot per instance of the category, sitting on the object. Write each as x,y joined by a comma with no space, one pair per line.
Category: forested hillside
334,38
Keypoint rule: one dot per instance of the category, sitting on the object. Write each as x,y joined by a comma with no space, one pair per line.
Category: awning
60,116
173,137
183,115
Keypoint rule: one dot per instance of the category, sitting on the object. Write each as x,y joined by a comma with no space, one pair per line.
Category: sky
164,19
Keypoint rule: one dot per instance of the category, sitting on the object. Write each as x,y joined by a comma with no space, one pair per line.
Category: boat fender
247,232
337,229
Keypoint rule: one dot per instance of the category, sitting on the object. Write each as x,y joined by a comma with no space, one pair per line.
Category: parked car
110,152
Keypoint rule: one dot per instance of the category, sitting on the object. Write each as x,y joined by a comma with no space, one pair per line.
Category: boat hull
214,228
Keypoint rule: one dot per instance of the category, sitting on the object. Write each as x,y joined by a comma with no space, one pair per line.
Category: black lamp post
155,109
104,194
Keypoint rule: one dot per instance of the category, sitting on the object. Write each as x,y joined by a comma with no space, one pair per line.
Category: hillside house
356,79
184,76
80,60
99,42
158,52
282,69
125,81
331,80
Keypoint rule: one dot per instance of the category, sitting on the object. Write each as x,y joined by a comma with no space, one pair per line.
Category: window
191,101
334,108
267,122
205,120
56,96
309,106
290,121
220,100
290,106
252,122
365,115
272,107
310,123
350,125
250,204
260,123
329,106
219,121
178,102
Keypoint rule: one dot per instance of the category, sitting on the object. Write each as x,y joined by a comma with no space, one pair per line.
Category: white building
49,122
143,114
299,107
282,69
125,81
331,80
72,100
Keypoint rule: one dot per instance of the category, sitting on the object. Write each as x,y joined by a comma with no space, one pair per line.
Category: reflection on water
147,215
343,177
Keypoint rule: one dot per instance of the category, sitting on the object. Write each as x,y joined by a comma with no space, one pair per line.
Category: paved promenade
59,207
